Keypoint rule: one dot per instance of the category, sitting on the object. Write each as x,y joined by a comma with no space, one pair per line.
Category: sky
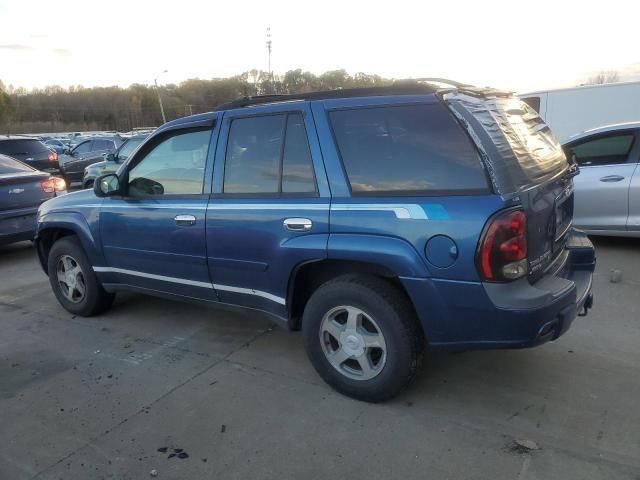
515,45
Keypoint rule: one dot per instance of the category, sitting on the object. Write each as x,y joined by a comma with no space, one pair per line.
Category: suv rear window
21,147
9,165
404,150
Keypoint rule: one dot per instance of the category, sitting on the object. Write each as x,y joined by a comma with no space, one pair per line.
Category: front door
602,187
154,235
270,207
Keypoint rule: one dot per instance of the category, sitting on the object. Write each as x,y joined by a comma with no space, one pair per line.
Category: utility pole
269,58
155,81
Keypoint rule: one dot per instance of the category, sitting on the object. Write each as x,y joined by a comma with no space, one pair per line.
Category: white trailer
569,111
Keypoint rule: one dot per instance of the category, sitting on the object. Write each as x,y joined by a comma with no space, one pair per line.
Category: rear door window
268,154
533,102
404,150
604,150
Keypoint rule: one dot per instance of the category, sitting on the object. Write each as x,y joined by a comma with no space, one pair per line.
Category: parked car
112,160
607,190
569,111
57,145
376,220
30,151
22,190
86,153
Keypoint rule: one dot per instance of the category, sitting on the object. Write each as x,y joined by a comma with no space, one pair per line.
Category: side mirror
110,157
67,151
106,185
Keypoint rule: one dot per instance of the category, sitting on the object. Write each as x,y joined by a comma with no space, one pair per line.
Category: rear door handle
297,224
185,220
612,178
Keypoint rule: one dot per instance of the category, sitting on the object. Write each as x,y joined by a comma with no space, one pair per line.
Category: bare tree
602,77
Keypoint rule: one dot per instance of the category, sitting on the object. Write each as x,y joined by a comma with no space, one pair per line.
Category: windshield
127,149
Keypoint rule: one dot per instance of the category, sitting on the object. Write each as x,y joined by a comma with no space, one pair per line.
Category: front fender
393,253
67,221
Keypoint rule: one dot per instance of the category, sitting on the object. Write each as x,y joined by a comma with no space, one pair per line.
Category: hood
69,201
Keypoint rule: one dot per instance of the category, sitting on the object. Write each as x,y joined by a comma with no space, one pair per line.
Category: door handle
612,178
297,224
185,220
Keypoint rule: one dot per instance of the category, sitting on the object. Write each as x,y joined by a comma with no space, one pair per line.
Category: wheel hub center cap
352,343
71,280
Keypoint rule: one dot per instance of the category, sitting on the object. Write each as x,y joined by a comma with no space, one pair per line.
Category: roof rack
399,87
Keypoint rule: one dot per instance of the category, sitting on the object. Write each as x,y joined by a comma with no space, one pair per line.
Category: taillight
53,156
502,251
53,184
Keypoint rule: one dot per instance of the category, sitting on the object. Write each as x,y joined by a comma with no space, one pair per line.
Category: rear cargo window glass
603,150
22,147
416,149
8,165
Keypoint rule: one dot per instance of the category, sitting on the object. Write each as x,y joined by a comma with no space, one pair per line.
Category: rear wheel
362,337
73,280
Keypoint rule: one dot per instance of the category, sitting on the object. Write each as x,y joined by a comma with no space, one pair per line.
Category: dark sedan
22,190
30,151
88,152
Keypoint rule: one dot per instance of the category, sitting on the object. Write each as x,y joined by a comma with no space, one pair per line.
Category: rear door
607,163
270,207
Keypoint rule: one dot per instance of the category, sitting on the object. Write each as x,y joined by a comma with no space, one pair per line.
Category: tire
67,257
369,373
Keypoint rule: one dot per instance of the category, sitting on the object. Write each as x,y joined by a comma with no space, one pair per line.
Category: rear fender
397,255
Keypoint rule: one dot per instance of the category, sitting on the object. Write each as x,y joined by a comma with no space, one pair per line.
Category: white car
607,190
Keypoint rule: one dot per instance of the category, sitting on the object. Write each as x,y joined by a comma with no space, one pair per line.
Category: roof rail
402,87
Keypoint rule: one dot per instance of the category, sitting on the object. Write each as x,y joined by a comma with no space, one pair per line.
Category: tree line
57,109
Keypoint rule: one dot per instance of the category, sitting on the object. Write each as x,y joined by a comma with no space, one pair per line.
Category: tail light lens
53,184
53,156
502,251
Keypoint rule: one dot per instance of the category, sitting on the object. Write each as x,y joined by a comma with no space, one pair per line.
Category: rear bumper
474,315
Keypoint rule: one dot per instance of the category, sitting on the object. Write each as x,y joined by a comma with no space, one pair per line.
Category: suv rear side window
22,147
608,150
258,162
404,150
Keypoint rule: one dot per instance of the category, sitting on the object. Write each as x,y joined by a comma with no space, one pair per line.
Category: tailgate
19,191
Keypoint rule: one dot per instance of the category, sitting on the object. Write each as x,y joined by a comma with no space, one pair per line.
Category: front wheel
73,280
363,337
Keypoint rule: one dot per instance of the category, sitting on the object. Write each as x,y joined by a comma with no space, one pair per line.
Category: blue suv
379,221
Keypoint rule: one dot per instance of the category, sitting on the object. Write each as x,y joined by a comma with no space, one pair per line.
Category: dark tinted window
533,102
83,147
297,169
606,150
253,155
22,147
406,149
9,165
102,145
175,166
